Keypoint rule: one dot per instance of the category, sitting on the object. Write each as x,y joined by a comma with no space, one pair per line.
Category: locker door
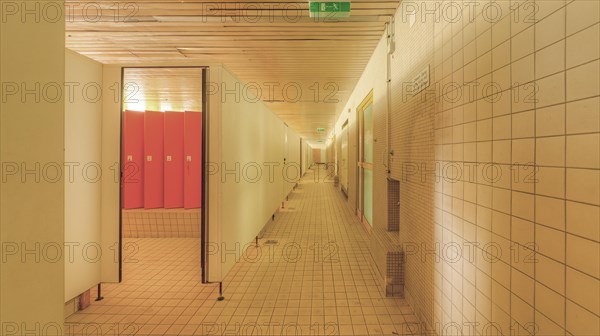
192,160
133,160
173,159
153,162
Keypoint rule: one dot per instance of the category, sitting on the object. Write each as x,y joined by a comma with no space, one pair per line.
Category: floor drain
271,242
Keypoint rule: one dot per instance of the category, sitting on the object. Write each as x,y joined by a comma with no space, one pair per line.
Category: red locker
193,160
133,160
153,159
173,159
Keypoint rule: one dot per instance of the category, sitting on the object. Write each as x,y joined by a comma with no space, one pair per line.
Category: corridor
300,167
317,279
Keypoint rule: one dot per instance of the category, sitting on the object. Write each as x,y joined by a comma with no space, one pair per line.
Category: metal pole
220,298
99,297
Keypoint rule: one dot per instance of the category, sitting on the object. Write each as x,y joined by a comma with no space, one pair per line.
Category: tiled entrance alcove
161,223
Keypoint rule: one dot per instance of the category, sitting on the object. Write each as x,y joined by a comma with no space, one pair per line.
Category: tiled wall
517,174
161,223
412,144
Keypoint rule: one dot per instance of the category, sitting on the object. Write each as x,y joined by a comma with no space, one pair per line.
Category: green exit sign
328,9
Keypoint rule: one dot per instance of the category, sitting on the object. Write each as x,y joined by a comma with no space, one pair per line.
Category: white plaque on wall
421,80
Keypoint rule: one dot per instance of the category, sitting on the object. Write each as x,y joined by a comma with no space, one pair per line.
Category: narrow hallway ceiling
274,44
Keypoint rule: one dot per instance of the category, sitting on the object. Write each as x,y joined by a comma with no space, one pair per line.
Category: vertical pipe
220,298
99,297
391,47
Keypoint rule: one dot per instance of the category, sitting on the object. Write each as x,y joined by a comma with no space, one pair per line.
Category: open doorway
365,162
163,150
343,165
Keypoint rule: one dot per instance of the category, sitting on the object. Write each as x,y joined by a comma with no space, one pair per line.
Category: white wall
292,172
252,135
31,207
83,127
307,156
323,155
111,148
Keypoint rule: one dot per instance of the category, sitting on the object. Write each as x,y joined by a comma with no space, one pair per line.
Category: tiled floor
318,279
161,223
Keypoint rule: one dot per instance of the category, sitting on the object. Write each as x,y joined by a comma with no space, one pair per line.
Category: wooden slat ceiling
263,42
162,89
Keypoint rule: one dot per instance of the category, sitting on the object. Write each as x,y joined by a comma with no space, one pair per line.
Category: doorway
344,159
163,150
365,161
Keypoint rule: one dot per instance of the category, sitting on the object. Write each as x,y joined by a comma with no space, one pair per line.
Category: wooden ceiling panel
264,43
162,89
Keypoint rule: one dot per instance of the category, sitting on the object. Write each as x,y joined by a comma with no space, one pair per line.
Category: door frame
361,165
203,171
344,175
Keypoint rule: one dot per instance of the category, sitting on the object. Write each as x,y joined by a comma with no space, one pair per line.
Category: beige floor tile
319,281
